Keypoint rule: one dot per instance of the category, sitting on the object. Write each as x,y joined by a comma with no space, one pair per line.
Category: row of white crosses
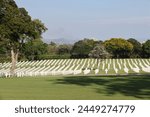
75,66
87,70
114,66
123,63
145,67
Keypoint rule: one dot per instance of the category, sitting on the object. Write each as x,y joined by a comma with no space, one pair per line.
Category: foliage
99,51
146,49
56,51
64,49
4,58
53,43
52,48
3,49
53,56
82,48
33,49
118,47
137,48
17,27
4,53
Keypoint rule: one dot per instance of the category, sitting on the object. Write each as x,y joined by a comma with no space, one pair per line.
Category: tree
82,48
146,49
64,49
34,48
118,47
3,49
4,54
137,48
99,52
52,48
53,43
16,28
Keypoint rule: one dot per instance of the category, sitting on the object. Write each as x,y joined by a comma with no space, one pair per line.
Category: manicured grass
75,88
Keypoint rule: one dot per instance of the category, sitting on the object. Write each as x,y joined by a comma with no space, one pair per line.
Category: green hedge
54,56
4,59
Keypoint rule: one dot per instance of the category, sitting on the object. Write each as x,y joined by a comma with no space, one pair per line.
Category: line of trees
112,48
87,48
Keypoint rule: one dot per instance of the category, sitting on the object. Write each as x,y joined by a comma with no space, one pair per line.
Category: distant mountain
64,40
60,41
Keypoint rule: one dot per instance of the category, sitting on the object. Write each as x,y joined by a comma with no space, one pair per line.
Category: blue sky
101,19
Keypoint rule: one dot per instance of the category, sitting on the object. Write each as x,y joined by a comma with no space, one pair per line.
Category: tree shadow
132,86
135,86
81,80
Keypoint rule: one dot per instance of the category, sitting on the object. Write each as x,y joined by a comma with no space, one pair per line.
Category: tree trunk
14,59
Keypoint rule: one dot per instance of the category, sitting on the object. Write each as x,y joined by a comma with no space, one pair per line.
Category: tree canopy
118,47
34,48
146,49
99,52
17,27
82,48
137,48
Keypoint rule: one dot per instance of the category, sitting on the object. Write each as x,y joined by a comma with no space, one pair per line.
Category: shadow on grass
136,86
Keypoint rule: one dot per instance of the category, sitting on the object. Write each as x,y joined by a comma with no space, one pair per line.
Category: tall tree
99,52
52,48
34,48
146,49
17,27
82,48
137,48
118,47
64,49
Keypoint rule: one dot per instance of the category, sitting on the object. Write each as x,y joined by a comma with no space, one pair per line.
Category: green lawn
75,88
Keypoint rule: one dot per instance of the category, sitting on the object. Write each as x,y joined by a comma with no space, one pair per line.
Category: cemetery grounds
77,79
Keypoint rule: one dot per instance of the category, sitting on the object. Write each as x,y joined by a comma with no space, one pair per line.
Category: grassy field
75,88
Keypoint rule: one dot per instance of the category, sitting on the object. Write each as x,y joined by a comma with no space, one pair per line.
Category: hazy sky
102,19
